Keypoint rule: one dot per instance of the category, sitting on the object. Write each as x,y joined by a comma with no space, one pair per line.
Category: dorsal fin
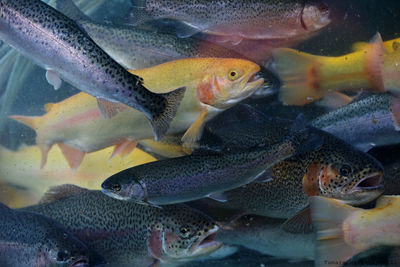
48,106
59,192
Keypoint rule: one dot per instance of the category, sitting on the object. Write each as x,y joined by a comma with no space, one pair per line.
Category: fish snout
206,243
371,182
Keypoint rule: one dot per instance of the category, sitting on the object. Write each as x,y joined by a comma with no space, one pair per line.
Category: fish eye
116,187
323,7
345,170
185,231
62,255
233,74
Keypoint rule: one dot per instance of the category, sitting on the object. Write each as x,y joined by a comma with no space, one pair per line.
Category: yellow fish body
344,231
307,78
212,85
21,168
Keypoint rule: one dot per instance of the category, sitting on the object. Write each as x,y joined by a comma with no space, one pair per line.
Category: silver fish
55,42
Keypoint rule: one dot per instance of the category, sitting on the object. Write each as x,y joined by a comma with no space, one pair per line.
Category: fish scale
56,43
120,231
28,239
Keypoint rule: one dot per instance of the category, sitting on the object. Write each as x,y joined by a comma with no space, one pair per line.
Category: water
24,91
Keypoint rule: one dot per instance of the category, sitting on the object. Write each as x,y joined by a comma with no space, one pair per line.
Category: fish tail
328,216
137,14
161,121
298,72
30,121
68,8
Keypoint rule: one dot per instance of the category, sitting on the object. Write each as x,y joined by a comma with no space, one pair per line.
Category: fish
206,174
66,51
31,239
334,169
232,22
20,169
212,85
130,234
266,236
306,78
344,231
366,122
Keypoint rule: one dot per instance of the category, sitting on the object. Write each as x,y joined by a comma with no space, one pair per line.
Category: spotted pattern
119,231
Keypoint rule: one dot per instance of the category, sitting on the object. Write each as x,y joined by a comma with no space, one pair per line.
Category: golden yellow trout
21,168
344,231
212,85
306,78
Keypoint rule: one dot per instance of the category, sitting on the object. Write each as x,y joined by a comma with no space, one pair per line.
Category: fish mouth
206,244
80,262
371,182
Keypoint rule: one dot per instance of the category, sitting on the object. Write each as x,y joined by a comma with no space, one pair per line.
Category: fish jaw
366,190
248,84
205,244
80,262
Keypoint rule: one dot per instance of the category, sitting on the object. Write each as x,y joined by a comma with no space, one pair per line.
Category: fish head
61,248
344,173
228,81
315,15
183,234
124,186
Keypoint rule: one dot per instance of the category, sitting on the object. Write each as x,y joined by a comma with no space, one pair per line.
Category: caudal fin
161,122
328,216
298,72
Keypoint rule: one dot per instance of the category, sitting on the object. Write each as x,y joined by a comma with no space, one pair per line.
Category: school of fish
190,133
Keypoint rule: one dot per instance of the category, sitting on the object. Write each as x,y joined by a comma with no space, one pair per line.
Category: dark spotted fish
371,121
233,21
335,170
203,174
130,234
30,239
56,43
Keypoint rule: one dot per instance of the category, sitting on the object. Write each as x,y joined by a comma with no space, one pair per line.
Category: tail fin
298,72
30,121
68,8
161,122
137,14
328,216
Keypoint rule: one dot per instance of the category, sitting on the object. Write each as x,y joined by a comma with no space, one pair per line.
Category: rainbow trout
30,239
335,170
371,121
203,174
130,234
55,42
233,21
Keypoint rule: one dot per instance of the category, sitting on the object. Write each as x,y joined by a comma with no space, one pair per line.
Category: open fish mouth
80,262
371,182
206,244
254,81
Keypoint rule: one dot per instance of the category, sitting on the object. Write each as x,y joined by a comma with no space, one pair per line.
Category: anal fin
124,148
73,156
109,109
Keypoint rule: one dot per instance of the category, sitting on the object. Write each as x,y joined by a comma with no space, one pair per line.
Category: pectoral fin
109,109
193,134
300,223
73,156
53,79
